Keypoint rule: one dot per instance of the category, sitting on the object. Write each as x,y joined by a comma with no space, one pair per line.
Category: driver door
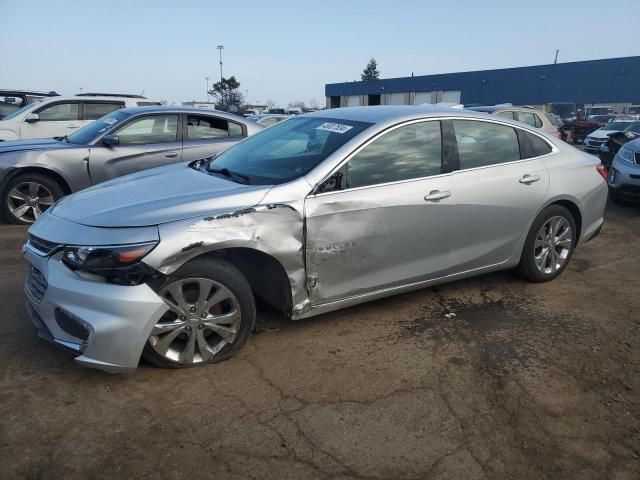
389,223
144,142
56,120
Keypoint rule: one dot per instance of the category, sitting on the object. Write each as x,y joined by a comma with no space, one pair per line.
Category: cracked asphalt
486,378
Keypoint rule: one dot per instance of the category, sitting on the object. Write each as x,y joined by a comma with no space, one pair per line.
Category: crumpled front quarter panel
275,229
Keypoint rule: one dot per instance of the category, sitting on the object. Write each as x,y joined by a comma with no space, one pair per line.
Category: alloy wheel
203,317
28,200
553,245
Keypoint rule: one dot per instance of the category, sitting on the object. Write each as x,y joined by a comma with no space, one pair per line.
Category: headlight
625,155
96,259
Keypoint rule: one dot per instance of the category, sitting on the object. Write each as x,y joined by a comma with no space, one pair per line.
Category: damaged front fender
275,229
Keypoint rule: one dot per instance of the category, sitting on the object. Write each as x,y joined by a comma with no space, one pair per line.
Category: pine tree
371,71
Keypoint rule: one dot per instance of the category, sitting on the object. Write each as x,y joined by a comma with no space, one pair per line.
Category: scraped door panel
382,236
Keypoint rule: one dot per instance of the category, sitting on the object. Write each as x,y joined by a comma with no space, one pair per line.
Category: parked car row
36,173
316,213
12,100
58,116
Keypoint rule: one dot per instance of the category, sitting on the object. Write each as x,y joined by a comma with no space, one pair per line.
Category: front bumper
624,180
593,145
109,324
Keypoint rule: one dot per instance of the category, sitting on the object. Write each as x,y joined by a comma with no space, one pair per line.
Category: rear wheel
549,245
211,315
27,196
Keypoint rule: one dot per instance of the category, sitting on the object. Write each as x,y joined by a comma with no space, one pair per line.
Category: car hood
156,196
35,144
601,134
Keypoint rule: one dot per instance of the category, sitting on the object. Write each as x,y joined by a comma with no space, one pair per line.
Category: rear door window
207,127
527,117
508,115
95,110
481,144
411,151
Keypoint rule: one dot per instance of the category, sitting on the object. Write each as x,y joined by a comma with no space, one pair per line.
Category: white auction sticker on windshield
334,127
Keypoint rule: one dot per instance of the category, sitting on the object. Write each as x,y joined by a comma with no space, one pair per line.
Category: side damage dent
274,229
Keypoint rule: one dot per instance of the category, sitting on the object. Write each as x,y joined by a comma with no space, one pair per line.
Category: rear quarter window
532,145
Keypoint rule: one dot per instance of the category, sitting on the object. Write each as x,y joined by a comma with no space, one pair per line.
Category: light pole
207,79
220,48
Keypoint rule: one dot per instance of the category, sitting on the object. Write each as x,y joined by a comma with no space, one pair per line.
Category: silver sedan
36,173
320,212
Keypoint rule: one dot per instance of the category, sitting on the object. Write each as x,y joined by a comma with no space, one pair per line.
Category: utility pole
207,79
220,48
556,60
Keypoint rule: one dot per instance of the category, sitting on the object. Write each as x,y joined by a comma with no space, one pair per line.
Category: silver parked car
36,173
624,175
320,212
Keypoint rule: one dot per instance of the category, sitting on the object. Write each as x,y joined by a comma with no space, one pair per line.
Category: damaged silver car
320,212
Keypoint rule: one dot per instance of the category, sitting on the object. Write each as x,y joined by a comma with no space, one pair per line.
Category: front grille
36,284
637,158
43,246
595,143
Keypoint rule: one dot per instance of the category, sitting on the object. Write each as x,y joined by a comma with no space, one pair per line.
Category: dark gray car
36,173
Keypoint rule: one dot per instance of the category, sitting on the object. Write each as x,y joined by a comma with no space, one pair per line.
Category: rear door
207,135
500,185
145,141
96,109
56,120
389,222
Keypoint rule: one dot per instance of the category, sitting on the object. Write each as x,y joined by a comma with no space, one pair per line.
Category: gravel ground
489,377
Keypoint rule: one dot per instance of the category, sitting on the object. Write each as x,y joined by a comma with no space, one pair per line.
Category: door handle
529,179
436,195
73,126
171,155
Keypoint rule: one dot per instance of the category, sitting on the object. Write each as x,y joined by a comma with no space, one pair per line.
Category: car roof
180,109
378,114
6,91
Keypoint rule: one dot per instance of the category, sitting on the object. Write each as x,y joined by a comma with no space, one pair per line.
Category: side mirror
32,118
110,140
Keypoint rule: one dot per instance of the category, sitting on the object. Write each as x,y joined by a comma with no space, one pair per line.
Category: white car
60,116
597,138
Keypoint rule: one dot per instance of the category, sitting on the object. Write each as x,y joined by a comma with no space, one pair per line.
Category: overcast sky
288,50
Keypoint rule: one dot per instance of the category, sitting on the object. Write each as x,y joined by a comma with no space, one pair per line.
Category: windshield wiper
228,173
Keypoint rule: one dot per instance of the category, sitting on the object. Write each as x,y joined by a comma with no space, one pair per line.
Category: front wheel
211,315
27,196
549,245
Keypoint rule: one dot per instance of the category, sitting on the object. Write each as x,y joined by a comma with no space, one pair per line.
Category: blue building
614,82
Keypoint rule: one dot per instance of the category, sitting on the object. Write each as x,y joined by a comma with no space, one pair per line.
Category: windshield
91,131
633,127
18,112
599,110
565,110
600,118
616,126
288,150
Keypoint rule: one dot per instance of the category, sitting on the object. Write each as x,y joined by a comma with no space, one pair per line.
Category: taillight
558,134
602,170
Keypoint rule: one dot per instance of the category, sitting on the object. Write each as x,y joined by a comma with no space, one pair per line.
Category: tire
29,190
533,253
617,200
183,338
